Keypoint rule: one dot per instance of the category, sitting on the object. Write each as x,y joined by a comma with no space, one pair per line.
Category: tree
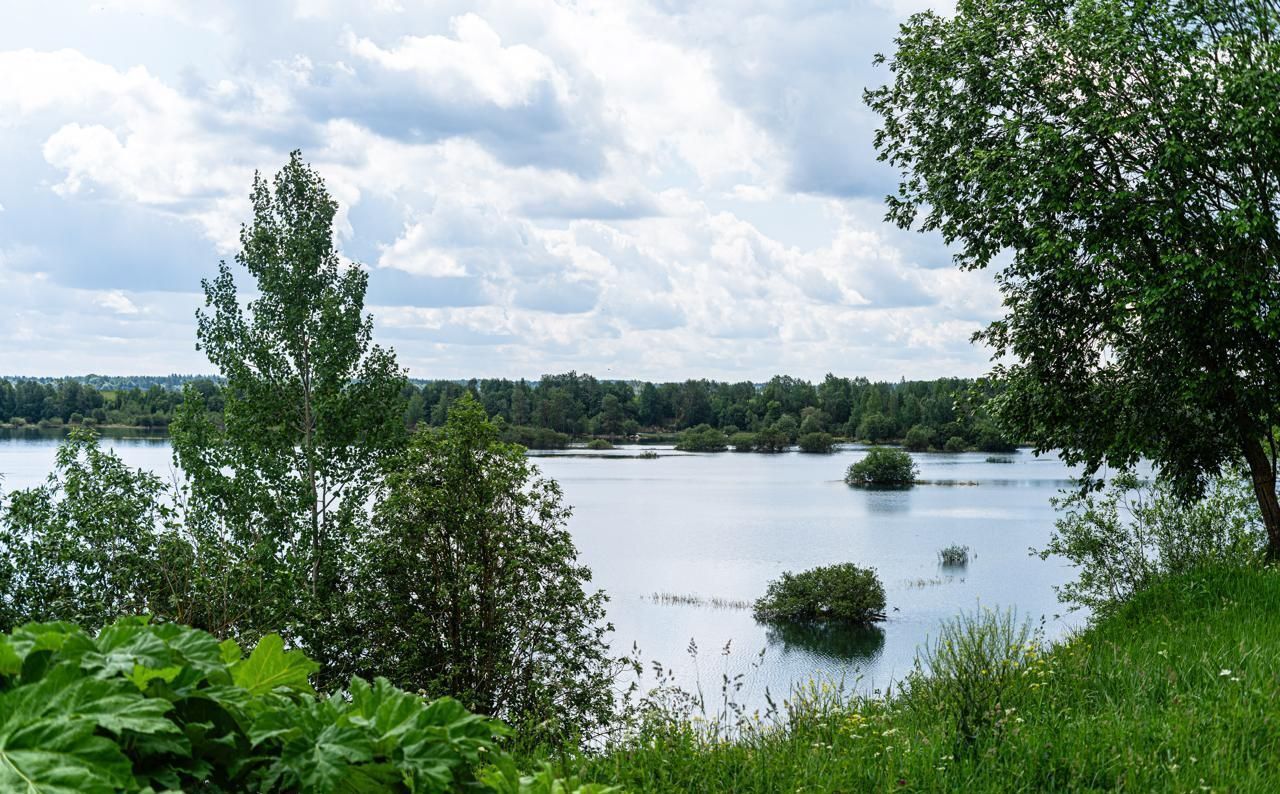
875,427
1125,155
312,407
475,585
842,592
822,443
919,439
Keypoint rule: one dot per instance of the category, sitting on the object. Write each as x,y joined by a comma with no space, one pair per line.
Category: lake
720,526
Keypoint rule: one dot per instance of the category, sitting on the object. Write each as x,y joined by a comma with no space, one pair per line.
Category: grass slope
1176,691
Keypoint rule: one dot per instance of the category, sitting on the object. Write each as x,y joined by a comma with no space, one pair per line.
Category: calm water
722,525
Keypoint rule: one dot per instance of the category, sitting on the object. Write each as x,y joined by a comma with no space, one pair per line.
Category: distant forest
552,411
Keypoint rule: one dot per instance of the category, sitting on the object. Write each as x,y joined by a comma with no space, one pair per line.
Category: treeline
927,414
550,412
53,403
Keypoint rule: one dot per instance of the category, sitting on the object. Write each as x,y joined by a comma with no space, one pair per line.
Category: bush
954,555
919,438
1128,537
875,427
167,707
955,444
534,437
822,443
599,443
883,467
771,440
703,438
841,592
742,442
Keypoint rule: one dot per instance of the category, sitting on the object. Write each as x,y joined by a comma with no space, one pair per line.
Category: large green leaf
271,667
60,756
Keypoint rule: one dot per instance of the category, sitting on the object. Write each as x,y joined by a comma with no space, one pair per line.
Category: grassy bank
1177,691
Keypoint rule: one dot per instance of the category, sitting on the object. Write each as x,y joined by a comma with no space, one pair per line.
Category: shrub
956,444
841,592
919,438
771,440
742,442
822,443
954,555
875,427
167,707
599,443
883,467
1128,537
703,438
534,437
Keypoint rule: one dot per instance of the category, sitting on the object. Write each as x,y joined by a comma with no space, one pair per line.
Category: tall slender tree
312,406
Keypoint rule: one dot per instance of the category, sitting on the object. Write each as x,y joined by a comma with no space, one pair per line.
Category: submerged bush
842,592
742,442
772,440
703,438
884,467
954,555
1134,533
820,443
955,444
599,443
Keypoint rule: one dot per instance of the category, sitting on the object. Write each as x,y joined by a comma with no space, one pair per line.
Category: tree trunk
1263,474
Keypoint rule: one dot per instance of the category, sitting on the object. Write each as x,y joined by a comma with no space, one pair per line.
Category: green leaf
270,667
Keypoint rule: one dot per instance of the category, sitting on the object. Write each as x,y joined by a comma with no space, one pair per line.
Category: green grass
1179,690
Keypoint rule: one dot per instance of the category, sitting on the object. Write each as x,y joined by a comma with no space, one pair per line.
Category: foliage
918,439
1136,533
955,444
474,589
97,540
599,444
771,440
703,438
954,555
144,707
1125,155
822,443
534,437
876,427
842,592
312,409
1181,672
743,442
883,467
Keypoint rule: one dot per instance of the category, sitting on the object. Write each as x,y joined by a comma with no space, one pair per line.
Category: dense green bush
883,467
144,707
919,438
955,444
599,444
703,438
743,442
772,440
842,592
534,437
822,443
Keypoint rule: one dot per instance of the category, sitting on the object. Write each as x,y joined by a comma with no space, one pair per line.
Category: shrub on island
883,467
820,443
703,438
599,443
743,442
842,592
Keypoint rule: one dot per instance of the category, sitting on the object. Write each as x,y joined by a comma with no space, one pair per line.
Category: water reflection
829,642
887,500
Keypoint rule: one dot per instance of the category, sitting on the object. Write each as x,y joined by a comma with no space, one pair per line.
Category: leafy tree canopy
1126,155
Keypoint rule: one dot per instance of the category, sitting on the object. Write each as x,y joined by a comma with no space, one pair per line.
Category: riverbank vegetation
883,467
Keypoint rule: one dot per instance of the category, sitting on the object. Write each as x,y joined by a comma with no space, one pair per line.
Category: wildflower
1224,673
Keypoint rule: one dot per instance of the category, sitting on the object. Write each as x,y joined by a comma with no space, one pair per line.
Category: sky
653,190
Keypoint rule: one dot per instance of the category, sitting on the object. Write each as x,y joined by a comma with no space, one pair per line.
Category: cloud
638,188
